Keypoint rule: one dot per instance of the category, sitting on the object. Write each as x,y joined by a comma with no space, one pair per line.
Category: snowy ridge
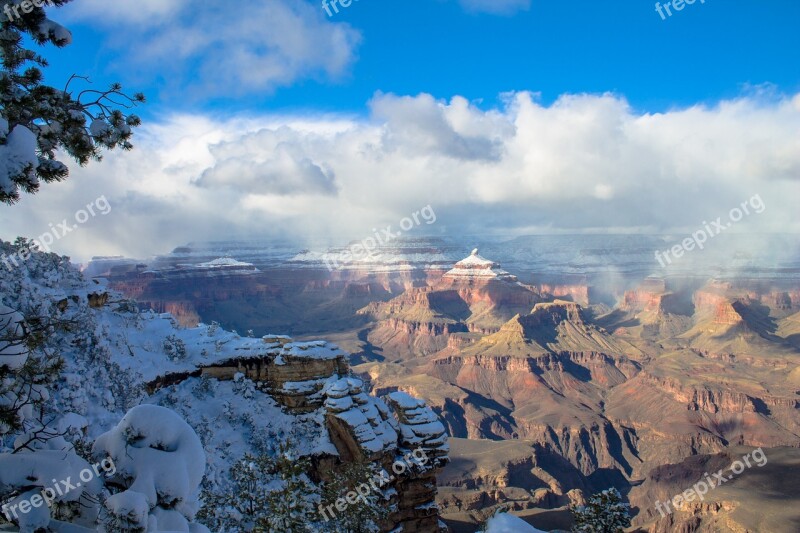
400,256
238,395
146,338
541,255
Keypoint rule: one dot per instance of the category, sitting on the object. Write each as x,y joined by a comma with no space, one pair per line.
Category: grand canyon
442,266
559,366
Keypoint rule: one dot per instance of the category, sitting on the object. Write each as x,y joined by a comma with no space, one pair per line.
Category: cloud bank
585,163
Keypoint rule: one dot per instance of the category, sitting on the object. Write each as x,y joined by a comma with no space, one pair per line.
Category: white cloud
222,49
583,163
275,167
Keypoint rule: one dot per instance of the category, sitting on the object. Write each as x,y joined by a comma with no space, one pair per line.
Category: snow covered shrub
213,328
367,512
293,506
13,334
126,390
204,387
128,306
13,357
605,513
25,373
160,464
35,484
175,348
266,494
244,387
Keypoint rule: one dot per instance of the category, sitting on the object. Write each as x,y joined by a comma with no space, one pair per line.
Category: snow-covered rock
475,267
508,523
161,462
234,396
420,428
366,417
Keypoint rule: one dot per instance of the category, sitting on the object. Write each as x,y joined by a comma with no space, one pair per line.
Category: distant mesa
478,268
224,262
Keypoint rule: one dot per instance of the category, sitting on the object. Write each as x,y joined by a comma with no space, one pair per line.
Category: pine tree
36,120
232,509
291,508
267,493
366,514
605,513
26,371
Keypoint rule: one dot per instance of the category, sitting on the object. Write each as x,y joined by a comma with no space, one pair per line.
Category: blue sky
269,119
703,53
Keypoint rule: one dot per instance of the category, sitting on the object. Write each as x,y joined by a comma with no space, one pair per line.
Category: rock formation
476,296
308,376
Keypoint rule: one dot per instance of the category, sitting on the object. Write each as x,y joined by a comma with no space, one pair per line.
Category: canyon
557,370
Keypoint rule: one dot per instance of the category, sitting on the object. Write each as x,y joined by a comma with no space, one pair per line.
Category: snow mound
161,461
29,475
508,523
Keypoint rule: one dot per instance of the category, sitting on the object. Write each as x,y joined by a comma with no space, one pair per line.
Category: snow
224,262
420,415
13,352
131,506
475,260
372,425
339,405
356,419
419,426
234,419
508,523
205,345
99,128
48,29
313,350
18,157
171,438
431,429
161,461
476,267
33,472
405,400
